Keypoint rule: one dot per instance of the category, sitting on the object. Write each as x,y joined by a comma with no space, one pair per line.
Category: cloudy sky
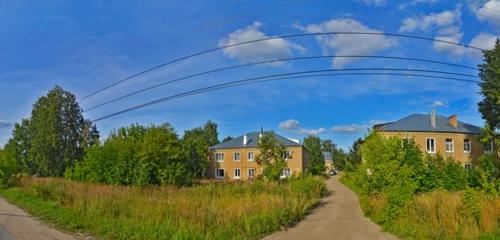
87,45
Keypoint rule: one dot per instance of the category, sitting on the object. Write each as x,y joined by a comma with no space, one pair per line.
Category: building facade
235,159
439,135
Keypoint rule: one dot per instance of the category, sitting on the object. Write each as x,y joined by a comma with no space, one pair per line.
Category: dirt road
338,217
15,224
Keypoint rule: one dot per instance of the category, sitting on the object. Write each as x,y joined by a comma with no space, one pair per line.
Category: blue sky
86,45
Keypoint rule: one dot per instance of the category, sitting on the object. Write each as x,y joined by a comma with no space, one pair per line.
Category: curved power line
267,62
272,38
272,78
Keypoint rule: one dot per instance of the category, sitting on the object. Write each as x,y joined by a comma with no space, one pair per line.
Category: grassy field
212,211
439,214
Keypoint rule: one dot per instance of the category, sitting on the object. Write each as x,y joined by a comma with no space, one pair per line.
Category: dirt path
338,217
15,224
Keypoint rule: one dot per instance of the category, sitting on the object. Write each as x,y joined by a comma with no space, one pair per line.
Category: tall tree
55,136
489,72
195,147
271,156
316,158
211,133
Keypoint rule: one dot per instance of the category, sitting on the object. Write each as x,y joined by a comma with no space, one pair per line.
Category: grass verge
213,211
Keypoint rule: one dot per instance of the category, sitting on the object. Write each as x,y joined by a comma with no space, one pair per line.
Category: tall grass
213,211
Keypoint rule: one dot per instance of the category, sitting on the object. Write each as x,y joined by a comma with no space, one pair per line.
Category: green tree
270,156
211,133
489,106
316,158
57,133
195,146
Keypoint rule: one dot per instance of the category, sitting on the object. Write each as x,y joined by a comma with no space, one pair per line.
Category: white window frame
452,145
219,157
287,155
467,166
469,143
284,173
251,170
248,157
234,156
405,139
433,145
239,173
217,173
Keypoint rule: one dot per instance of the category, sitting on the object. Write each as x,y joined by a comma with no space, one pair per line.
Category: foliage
213,211
316,158
196,143
54,137
489,72
136,155
270,156
9,167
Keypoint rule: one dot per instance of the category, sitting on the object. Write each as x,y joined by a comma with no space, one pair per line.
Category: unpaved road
339,216
15,224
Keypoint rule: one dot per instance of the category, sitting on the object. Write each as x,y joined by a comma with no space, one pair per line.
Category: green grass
213,211
439,214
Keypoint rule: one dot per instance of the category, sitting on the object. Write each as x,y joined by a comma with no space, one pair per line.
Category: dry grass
213,211
450,215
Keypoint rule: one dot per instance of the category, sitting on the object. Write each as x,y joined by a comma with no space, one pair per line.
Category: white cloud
290,125
487,12
350,129
438,103
447,27
294,126
348,44
482,40
404,5
258,51
376,3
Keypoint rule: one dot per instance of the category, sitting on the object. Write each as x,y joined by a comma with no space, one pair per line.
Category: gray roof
253,140
422,123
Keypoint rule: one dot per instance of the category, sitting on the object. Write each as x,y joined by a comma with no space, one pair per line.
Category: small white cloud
313,132
482,40
258,51
348,44
5,124
487,12
404,5
376,3
438,103
350,129
447,27
293,125
290,125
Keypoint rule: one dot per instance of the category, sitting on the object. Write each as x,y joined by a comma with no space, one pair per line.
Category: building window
405,141
488,147
236,156
251,172
286,173
219,157
449,145
467,166
467,145
431,145
250,156
237,173
287,155
219,173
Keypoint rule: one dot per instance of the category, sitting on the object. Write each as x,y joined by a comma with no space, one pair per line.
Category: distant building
235,159
439,135
328,156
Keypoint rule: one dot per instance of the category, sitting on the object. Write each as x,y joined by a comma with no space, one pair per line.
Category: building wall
297,163
458,154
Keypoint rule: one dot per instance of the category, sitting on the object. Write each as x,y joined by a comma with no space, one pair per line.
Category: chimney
453,120
433,118
261,132
245,140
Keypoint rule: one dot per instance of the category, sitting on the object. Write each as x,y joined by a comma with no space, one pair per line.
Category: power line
272,38
267,62
274,78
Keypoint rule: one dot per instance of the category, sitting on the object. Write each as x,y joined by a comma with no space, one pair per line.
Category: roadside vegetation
211,211
422,197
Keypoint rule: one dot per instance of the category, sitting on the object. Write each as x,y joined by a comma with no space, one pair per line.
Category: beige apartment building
235,159
439,135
